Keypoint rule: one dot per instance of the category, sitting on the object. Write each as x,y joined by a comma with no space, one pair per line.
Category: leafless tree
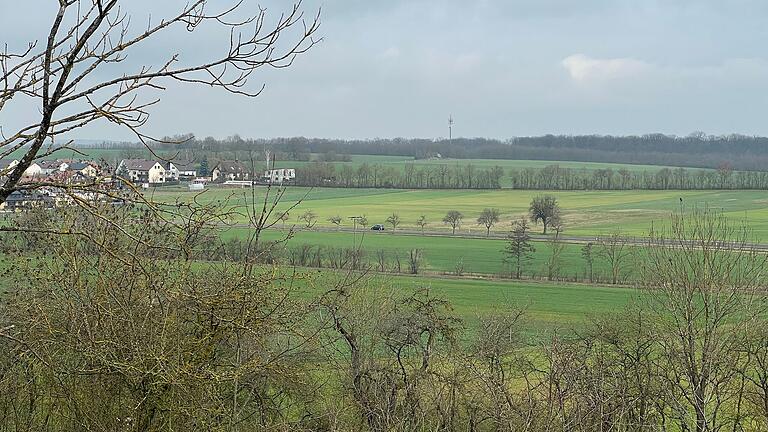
545,208
392,350
70,74
422,222
614,249
488,218
555,260
283,217
589,261
415,260
705,286
453,218
309,218
394,220
336,220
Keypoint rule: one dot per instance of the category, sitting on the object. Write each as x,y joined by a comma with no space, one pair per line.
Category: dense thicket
695,150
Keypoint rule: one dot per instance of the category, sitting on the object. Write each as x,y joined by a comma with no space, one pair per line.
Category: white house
49,167
230,170
8,165
84,168
187,170
279,175
33,170
142,171
171,172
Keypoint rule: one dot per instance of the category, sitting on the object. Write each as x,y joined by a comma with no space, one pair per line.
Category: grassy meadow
441,254
548,306
585,213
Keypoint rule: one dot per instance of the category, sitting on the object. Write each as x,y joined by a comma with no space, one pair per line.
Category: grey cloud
398,68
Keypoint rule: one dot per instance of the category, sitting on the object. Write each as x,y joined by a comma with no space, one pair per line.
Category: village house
24,200
33,170
85,168
186,170
142,171
70,177
7,166
171,171
230,170
48,167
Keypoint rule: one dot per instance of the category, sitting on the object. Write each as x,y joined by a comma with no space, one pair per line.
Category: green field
441,254
547,306
400,161
584,213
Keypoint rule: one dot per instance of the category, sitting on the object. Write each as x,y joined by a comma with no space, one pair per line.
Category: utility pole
267,155
355,220
450,127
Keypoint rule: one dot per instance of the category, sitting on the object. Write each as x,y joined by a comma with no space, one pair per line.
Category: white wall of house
157,174
33,170
280,175
172,173
89,171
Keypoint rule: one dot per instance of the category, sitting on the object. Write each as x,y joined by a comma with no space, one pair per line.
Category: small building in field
279,176
230,170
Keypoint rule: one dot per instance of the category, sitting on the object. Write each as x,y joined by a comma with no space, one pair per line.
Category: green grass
585,213
441,254
547,306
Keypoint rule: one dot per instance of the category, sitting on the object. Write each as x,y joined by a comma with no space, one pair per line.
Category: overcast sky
502,68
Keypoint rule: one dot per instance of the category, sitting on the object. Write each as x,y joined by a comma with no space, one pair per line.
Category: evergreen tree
204,169
519,250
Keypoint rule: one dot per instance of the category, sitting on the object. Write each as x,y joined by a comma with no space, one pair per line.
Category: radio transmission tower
450,127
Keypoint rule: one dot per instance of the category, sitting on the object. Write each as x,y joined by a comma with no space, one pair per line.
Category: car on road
377,227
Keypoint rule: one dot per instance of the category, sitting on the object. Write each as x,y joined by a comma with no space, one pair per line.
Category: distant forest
738,152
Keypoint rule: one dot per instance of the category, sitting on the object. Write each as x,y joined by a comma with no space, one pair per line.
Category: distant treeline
696,150
554,177
446,176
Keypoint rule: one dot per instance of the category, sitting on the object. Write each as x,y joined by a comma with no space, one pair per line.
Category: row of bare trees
408,176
